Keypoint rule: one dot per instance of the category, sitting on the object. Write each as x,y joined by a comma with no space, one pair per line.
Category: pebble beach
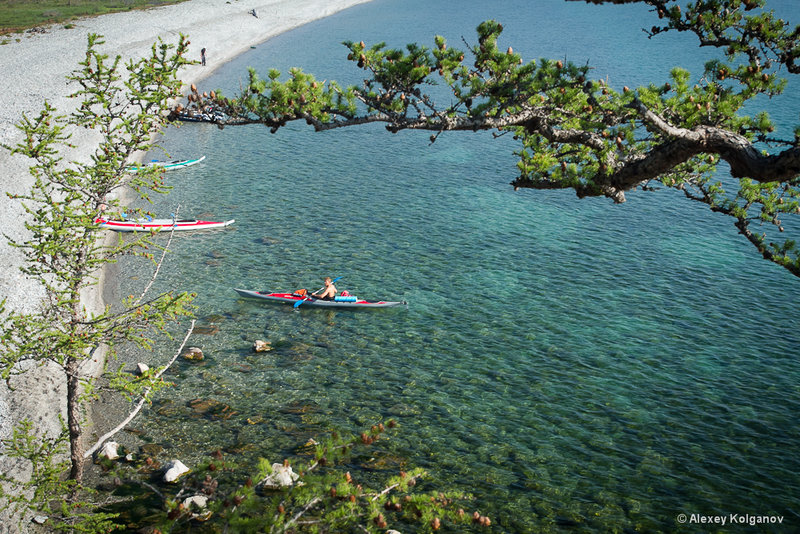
35,65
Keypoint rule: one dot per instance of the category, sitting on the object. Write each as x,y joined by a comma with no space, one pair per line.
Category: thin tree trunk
74,420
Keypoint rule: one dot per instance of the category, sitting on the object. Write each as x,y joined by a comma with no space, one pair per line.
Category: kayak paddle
299,302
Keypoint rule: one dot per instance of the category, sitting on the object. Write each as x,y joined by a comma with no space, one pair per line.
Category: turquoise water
578,366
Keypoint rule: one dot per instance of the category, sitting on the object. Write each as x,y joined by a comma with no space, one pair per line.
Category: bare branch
141,402
163,256
300,514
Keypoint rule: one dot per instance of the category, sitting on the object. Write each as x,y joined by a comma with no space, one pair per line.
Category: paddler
329,290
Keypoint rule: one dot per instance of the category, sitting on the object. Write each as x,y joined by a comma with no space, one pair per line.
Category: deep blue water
577,365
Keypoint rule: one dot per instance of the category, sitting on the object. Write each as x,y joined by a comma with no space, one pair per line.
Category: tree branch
141,402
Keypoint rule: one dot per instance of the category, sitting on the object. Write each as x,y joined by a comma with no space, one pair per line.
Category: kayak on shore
167,165
158,225
338,302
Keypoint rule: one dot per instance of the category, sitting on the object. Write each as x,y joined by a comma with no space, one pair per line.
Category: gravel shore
34,66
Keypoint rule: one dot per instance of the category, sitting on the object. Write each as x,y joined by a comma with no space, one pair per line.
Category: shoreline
35,67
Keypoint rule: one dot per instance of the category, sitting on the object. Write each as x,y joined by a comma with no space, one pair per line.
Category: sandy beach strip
34,66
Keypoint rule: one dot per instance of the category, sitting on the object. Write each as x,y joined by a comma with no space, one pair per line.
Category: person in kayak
330,290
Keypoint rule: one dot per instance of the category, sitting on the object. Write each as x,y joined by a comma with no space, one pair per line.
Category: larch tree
65,252
578,133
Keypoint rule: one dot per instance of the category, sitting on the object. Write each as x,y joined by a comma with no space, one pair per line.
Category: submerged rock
213,409
167,408
174,470
209,330
151,449
194,354
301,406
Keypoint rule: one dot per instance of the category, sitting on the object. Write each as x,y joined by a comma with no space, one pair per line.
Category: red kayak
158,225
338,302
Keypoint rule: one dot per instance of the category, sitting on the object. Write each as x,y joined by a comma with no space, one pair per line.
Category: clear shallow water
577,365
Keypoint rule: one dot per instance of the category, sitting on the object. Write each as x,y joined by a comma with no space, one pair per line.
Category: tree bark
74,419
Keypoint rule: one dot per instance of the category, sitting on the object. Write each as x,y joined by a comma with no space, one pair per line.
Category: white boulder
282,476
174,470
110,450
198,501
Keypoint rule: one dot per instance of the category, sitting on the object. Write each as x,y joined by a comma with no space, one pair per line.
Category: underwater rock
216,254
266,240
282,476
386,462
151,449
174,470
301,406
240,447
194,354
213,409
167,408
209,330
242,367
262,346
109,450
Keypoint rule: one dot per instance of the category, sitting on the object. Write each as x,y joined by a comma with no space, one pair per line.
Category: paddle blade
298,303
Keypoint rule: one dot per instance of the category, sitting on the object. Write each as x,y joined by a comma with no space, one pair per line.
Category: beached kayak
168,165
344,302
158,225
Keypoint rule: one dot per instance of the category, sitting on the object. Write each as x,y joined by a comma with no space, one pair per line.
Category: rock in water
209,330
282,476
261,346
194,354
174,470
109,450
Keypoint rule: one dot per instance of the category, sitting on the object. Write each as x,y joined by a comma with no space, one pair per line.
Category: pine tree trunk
74,420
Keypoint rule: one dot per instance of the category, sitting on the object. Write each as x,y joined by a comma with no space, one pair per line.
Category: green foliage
47,484
18,15
326,496
577,133
65,253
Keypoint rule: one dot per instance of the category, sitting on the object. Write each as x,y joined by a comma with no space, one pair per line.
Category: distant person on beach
203,57
330,290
